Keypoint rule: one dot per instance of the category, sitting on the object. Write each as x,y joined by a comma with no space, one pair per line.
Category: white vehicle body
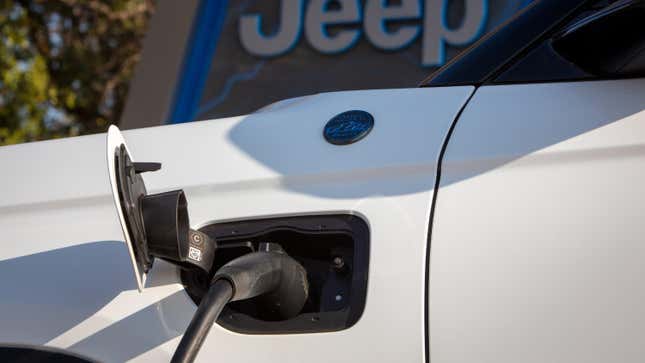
506,225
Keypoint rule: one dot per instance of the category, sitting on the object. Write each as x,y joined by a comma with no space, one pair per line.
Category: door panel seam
435,193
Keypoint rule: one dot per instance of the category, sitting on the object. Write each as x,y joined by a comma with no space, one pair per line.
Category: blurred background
65,66
73,67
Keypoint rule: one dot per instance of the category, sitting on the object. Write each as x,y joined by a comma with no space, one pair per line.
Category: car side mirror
608,42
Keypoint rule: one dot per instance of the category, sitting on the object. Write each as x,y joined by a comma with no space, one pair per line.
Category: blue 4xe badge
348,127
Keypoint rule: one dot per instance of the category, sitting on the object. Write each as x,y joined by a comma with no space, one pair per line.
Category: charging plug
278,280
270,273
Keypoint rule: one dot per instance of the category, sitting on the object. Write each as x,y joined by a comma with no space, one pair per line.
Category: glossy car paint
114,142
65,273
537,249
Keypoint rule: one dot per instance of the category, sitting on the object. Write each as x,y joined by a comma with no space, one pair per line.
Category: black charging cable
218,295
279,281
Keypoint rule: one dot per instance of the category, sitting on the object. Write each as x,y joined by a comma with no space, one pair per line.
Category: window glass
602,41
488,56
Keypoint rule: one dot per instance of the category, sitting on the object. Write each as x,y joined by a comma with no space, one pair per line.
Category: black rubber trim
563,80
435,193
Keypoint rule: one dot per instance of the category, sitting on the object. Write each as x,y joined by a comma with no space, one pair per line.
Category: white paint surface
65,272
538,245
114,142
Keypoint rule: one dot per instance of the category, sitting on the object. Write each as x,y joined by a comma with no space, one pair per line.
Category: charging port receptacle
334,249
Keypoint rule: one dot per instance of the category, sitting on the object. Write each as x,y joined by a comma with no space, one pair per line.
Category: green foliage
65,65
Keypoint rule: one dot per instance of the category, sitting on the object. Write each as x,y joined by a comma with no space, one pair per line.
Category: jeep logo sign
425,18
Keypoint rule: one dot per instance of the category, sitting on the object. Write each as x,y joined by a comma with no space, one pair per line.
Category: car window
602,41
503,45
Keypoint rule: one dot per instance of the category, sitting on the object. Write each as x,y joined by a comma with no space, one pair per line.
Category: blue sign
348,127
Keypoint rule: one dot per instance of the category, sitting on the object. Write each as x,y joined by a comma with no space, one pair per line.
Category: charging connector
271,274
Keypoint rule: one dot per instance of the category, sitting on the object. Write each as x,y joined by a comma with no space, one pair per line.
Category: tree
65,65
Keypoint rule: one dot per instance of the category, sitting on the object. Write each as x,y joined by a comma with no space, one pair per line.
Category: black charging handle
276,279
